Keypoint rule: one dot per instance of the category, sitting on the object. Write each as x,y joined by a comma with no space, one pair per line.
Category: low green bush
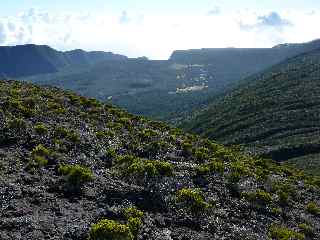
306,229
41,128
61,132
73,137
132,165
313,208
56,107
282,233
110,230
40,150
193,198
75,175
41,161
17,124
111,153
201,154
238,170
260,197
214,166
134,217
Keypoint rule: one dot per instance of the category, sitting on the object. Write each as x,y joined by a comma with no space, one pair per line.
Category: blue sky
156,28
15,6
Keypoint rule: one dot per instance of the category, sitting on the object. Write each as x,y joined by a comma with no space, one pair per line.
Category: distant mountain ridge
142,86
30,59
232,64
204,55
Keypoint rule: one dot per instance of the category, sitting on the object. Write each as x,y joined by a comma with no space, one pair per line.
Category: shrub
316,181
89,102
100,134
313,208
202,170
73,136
193,199
284,191
306,229
234,177
238,170
17,124
125,121
126,159
134,219
216,166
40,128
224,154
76,175
146,134
111,230
109,134
163,168
114,126
150,168
211,145
134,225
135,166
201,154
40,150
283,198
283,233
111,153
41,161
61,132
213,166
56,107
261,197
154,147
133,212
276,211
21,108
40,156
73,99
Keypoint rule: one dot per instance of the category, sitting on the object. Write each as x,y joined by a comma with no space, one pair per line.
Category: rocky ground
73,168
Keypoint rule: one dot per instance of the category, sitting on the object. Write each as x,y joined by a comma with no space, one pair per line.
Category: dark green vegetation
164,90
144,87
273,114
74,168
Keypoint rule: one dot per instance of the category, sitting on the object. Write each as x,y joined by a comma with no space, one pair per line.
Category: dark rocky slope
275,113
73,168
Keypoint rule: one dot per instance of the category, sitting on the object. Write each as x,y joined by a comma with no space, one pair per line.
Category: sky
156,28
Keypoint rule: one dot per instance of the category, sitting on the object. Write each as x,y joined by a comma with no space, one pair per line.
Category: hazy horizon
156,29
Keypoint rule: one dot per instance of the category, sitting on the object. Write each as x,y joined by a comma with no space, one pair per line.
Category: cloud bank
156,36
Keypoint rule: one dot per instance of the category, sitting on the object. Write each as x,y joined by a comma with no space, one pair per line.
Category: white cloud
124,18
156,36
272,19
214,11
